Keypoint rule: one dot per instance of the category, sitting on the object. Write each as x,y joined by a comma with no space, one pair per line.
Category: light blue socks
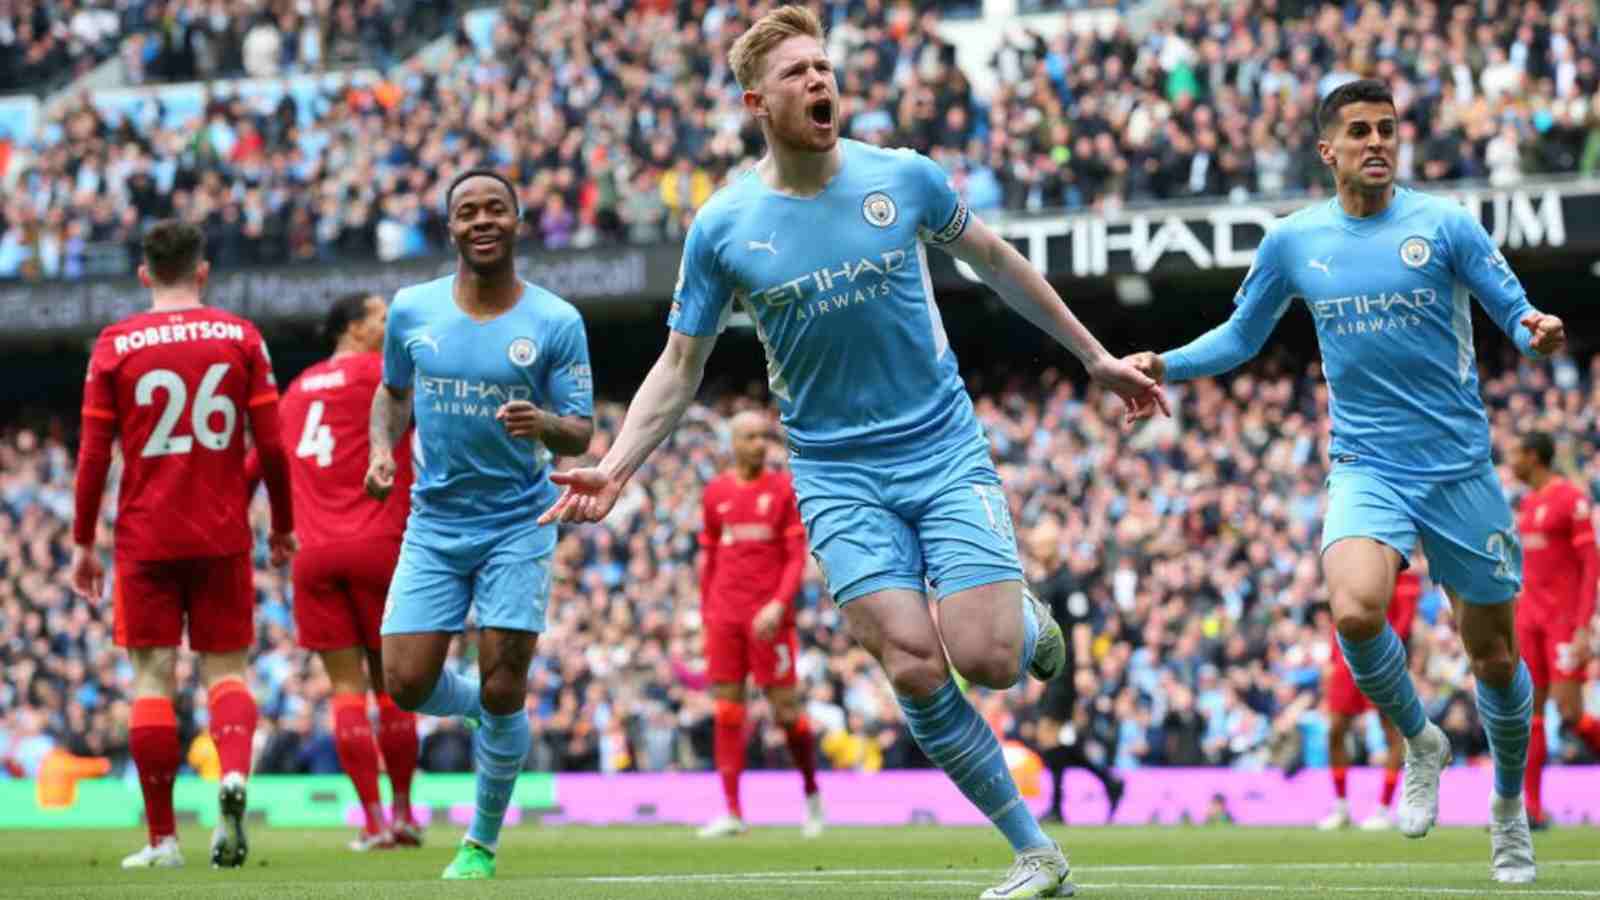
1507,715
499,747
1379,667
958,741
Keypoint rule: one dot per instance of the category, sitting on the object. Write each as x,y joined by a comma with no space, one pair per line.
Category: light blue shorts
1466,527
504,578
918,519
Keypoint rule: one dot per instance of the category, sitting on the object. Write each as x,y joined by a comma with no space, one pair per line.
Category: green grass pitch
669,863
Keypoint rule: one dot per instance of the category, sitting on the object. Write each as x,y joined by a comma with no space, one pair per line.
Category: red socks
153,743
233,724
1533,781
397,740
352,737
1391,780
729,749
1588,729
803,748
1340,774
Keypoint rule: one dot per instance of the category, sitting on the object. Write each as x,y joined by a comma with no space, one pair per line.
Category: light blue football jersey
1390,295
839,290
471,474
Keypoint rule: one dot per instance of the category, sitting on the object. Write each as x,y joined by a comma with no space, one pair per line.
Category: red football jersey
179,386
751,529
325,415
1555,524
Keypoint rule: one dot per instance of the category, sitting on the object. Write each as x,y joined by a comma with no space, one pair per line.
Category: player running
497,371
1386,272
1062,733
823,243
753,552
349,544
1346,704
173,386
1558,601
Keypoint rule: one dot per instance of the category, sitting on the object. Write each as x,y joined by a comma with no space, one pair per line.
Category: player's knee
503,696
407,691
1356,618
916,676
1494,665
993,667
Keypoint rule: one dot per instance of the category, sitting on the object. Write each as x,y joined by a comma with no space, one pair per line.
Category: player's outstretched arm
656,408
391,416
1023,289
1262,300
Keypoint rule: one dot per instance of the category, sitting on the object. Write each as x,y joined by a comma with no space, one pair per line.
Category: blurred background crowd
1193,541
619,119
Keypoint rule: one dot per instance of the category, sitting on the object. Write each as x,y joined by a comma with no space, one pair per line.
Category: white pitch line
1387,890
1077,870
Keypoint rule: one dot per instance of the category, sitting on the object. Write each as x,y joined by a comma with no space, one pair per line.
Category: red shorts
1548,651
339,592
732,652
151,599
1344,698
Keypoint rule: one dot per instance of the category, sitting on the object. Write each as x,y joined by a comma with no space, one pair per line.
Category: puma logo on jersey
1321,264
427,339
768,245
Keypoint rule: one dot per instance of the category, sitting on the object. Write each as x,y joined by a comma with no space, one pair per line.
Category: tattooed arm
391,415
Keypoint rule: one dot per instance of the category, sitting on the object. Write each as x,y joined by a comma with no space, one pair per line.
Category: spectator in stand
1212,104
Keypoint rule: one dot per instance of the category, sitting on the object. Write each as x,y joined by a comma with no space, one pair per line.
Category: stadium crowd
1194,541
44,41
618,120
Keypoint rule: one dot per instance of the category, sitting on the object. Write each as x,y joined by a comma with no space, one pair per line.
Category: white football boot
815,822
1338,819
723,826
1510,841
1035,873
1382,820
229,846
164,855
1426,756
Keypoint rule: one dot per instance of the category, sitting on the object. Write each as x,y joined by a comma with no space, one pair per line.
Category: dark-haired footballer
1387,272
496,371
349,544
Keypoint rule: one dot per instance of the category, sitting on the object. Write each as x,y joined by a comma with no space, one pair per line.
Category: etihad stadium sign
1178,239
1553,218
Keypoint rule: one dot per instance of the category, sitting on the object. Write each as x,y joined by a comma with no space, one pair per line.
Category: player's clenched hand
590,493
380,475
765,625
521,419
88,576
1549,334
283,545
